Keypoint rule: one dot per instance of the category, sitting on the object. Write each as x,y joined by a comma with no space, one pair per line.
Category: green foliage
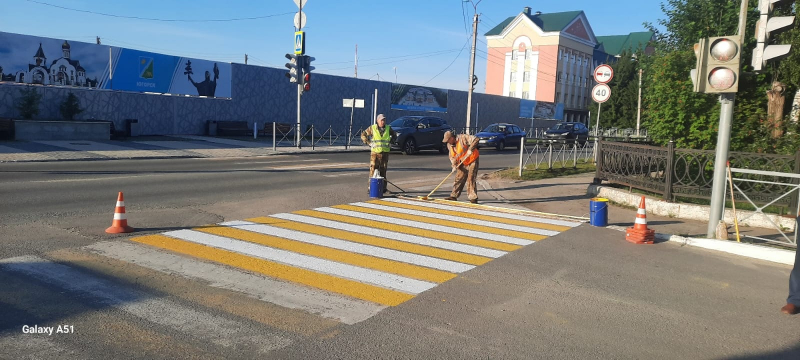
28,103
71,107
559,169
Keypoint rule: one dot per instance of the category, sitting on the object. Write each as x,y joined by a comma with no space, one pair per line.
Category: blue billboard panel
44,61
541,110
418,98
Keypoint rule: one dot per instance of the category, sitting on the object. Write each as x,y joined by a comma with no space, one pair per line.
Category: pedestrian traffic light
307,68
767,26
307,82
295,66
722,61
699,68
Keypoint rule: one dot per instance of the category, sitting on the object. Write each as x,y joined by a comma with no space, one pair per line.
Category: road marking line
466,213
203,325
395,232
431,224
440,206
347,174
356,273
452,259
277,161
263,235
286,294
315,279
317,166
95,179
505,229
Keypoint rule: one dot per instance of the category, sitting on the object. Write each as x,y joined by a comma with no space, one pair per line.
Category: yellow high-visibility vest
380,143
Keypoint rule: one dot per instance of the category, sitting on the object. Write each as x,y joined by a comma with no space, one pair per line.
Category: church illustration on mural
63,71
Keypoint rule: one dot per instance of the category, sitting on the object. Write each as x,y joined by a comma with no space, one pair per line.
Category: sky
411,42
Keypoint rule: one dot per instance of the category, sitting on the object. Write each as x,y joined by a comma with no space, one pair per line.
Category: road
297,268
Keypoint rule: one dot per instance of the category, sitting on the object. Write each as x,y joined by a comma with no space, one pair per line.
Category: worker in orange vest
464,158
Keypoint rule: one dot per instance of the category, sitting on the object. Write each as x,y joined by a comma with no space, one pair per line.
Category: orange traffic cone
639,233
120,223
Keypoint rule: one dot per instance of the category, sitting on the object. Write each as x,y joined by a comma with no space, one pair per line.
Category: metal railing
540,152
314,136
787,188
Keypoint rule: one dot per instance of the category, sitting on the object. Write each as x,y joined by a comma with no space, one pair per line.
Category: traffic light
765,27
295,66
721,68
307,82
700,51
307,68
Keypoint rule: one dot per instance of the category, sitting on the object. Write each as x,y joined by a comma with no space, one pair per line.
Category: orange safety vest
460,153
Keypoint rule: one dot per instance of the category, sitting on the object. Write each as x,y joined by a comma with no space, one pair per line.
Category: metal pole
472,69
274,144
350,132
255,130
297,131
521,153
639,108
723,143
312,137
375,108
742,21
477,114
597,131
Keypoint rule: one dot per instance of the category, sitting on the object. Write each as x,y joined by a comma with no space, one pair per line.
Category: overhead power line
452,62
158,19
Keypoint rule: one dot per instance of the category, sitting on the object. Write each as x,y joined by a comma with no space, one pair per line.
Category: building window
528,53
560,75
512,94
573,79
558,97
513,76
513,54
526,76
572,100
560,54
524,94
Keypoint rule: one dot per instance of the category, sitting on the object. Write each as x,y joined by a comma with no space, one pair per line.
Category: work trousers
380,162
794,281
466,175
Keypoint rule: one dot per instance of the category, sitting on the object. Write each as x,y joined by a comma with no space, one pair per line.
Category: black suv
568,130
416,133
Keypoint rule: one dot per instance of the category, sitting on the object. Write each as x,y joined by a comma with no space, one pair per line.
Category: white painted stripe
413,239
641,212
427,261
370,276
277,161
205,326
317,166
471,210
640,221
345,174
457,219
120,216
120,203
445,229
289,295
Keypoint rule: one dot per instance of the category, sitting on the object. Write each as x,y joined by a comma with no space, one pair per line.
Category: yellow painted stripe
302,276
466,214
413,231
371,240
366,261
433,220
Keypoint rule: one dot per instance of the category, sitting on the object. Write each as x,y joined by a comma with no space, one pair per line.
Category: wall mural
418,98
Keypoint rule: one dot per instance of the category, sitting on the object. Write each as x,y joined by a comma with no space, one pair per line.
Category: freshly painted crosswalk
342,263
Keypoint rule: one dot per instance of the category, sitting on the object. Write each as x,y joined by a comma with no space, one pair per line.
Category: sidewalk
159,147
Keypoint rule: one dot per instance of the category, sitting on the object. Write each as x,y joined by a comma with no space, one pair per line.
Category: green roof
617,44
547,22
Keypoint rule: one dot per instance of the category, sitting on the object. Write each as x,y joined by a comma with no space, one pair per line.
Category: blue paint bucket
376,187
598,212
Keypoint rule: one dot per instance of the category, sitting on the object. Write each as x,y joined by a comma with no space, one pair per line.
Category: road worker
378,137
464,158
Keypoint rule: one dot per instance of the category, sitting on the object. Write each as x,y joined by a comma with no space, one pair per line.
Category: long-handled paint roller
401,189
440,184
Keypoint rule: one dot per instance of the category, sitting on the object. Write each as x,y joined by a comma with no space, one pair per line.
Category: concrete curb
779,256
689,211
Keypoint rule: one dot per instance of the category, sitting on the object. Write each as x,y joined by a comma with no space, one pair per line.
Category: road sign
603,74
297,22
358,103
300,4
299,42
601,93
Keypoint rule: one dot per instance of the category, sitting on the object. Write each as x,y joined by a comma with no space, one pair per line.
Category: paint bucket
376,187
598,212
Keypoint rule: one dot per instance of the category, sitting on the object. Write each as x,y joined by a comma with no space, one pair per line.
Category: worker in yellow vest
378,137
464,158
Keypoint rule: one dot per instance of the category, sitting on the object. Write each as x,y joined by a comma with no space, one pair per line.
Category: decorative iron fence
541,153
689,173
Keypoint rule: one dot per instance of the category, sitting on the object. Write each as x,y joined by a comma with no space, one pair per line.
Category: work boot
450,198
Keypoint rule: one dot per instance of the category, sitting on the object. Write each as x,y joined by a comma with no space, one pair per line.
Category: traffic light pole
720,162
298,130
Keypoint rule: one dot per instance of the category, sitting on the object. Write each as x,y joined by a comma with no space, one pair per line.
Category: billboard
45,61
418,98
34,60
144,71
541,110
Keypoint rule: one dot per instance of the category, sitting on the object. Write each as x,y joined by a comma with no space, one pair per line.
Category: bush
28,103
71,107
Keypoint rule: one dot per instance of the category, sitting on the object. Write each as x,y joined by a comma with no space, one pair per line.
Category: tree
28,102
71,107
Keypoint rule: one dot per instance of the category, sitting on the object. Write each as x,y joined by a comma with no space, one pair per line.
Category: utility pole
472,68
639,108
245,59
356,62
98,40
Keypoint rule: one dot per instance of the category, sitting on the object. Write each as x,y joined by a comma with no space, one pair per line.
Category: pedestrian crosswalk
342,263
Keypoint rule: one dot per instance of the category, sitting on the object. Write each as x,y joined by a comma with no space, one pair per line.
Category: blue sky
416,40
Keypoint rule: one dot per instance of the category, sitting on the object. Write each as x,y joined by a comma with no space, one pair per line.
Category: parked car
416,133
568,131
500,135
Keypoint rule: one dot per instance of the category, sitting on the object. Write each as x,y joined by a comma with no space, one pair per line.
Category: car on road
415,133
568,131
500,135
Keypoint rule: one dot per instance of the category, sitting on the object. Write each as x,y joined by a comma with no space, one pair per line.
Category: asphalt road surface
301,265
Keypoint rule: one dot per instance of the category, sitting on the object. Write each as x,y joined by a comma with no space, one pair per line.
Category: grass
529,173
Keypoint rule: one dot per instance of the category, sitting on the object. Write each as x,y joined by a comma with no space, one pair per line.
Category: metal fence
539,153
315,136
688,173
786,182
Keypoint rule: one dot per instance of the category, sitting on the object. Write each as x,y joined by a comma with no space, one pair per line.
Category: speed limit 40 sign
601,93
